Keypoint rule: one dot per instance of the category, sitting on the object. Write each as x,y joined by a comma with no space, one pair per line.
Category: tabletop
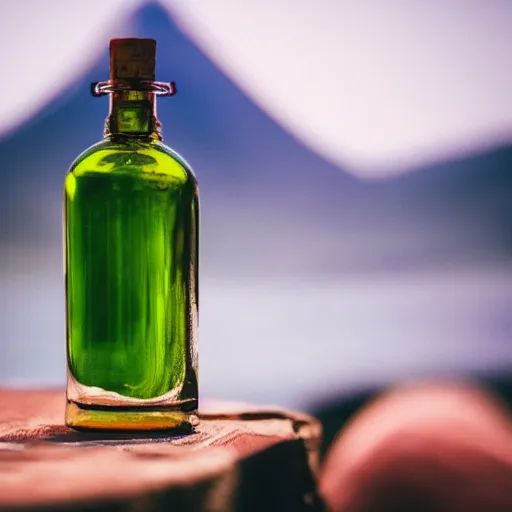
240,457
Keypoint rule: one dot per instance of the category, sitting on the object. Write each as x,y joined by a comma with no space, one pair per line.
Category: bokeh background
355,170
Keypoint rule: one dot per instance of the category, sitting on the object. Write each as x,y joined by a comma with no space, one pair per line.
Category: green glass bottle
131,214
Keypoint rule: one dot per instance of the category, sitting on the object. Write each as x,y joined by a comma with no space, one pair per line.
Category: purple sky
373,86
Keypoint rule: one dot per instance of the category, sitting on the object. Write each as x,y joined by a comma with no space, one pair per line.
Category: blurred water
292,341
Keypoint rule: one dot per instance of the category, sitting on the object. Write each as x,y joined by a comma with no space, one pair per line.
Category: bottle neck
133,115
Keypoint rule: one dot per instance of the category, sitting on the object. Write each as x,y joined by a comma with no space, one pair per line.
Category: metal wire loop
111,86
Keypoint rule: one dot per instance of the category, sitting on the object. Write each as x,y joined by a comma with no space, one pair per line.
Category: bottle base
80,416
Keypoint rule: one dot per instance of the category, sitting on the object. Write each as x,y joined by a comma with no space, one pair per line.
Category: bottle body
131,267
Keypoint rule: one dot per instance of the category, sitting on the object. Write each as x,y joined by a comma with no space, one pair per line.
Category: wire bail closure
111,86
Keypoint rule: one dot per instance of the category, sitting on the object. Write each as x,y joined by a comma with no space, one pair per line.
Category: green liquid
131,237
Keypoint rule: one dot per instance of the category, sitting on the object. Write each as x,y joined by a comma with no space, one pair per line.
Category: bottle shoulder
149,159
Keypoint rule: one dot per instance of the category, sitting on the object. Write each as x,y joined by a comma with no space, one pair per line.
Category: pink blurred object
430,448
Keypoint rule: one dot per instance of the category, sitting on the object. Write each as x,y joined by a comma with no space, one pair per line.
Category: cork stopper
132,59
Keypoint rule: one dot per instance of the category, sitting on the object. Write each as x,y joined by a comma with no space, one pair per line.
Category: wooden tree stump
239,458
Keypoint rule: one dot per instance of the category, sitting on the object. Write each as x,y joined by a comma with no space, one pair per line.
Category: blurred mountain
269,205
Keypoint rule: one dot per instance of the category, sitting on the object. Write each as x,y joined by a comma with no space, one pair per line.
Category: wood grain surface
240,457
